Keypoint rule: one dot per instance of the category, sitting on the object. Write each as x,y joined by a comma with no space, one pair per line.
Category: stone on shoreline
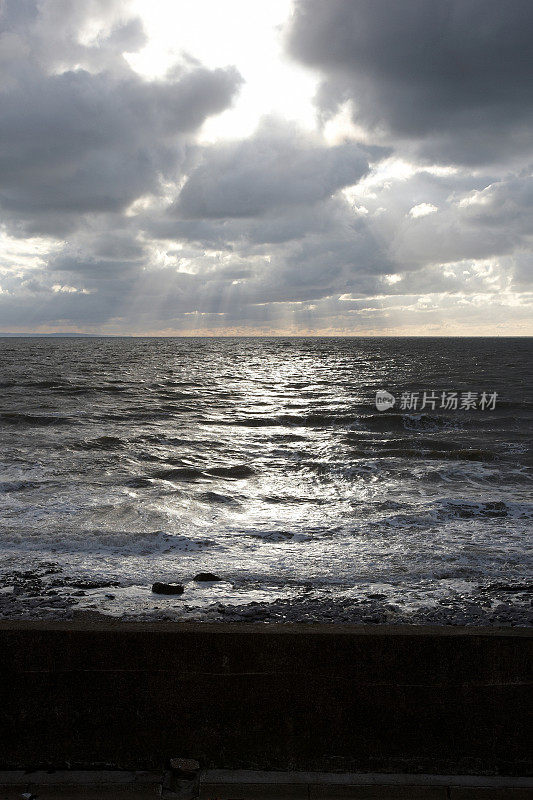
206,576
167,588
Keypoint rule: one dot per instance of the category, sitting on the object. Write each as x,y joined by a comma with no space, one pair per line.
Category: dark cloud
53,35
79,142
503,206
278,167
452,78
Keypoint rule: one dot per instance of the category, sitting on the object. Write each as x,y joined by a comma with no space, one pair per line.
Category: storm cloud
117,216
278,167
79,141
452,79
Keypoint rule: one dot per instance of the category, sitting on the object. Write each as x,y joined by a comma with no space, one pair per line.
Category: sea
266,462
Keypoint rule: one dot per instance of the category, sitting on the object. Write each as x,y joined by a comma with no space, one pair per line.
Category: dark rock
81,583
167,588
184,766
88,584
376,596
206,576
110,596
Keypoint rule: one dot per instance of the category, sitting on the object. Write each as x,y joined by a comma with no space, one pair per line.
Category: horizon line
82,335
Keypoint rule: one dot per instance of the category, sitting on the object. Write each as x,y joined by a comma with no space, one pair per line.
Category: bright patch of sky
234,32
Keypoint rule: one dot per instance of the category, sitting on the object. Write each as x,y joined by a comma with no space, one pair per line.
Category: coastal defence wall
331,698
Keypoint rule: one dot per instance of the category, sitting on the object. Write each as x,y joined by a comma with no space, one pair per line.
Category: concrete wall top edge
105,624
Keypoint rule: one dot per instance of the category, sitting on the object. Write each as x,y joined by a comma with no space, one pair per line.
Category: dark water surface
129,460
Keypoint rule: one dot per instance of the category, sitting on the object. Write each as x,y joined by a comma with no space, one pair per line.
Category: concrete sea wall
330,698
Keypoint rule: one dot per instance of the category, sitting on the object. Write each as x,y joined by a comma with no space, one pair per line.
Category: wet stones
167,588
205,577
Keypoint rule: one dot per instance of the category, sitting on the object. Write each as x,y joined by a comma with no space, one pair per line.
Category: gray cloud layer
453,77
130,225
278,167
80,141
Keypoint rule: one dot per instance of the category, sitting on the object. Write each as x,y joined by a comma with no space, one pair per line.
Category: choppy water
266,461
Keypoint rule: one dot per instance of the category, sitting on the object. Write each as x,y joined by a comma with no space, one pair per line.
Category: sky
316,167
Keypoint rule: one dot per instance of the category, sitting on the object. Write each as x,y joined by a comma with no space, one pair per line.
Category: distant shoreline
7,335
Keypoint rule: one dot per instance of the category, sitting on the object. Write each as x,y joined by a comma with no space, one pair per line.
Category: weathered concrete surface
94,785
303,792
246,785
94,792
329,698
249,785
482,793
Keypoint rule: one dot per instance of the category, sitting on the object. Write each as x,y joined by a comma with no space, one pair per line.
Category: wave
445,510
138,482
18,418
161,438
289,437
49,384
279,536
410,451
63,387
466,509
293,499
173,408
112,541
179,473
18,486
288,420
101,443
134,416
215,497
235,471
398,422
